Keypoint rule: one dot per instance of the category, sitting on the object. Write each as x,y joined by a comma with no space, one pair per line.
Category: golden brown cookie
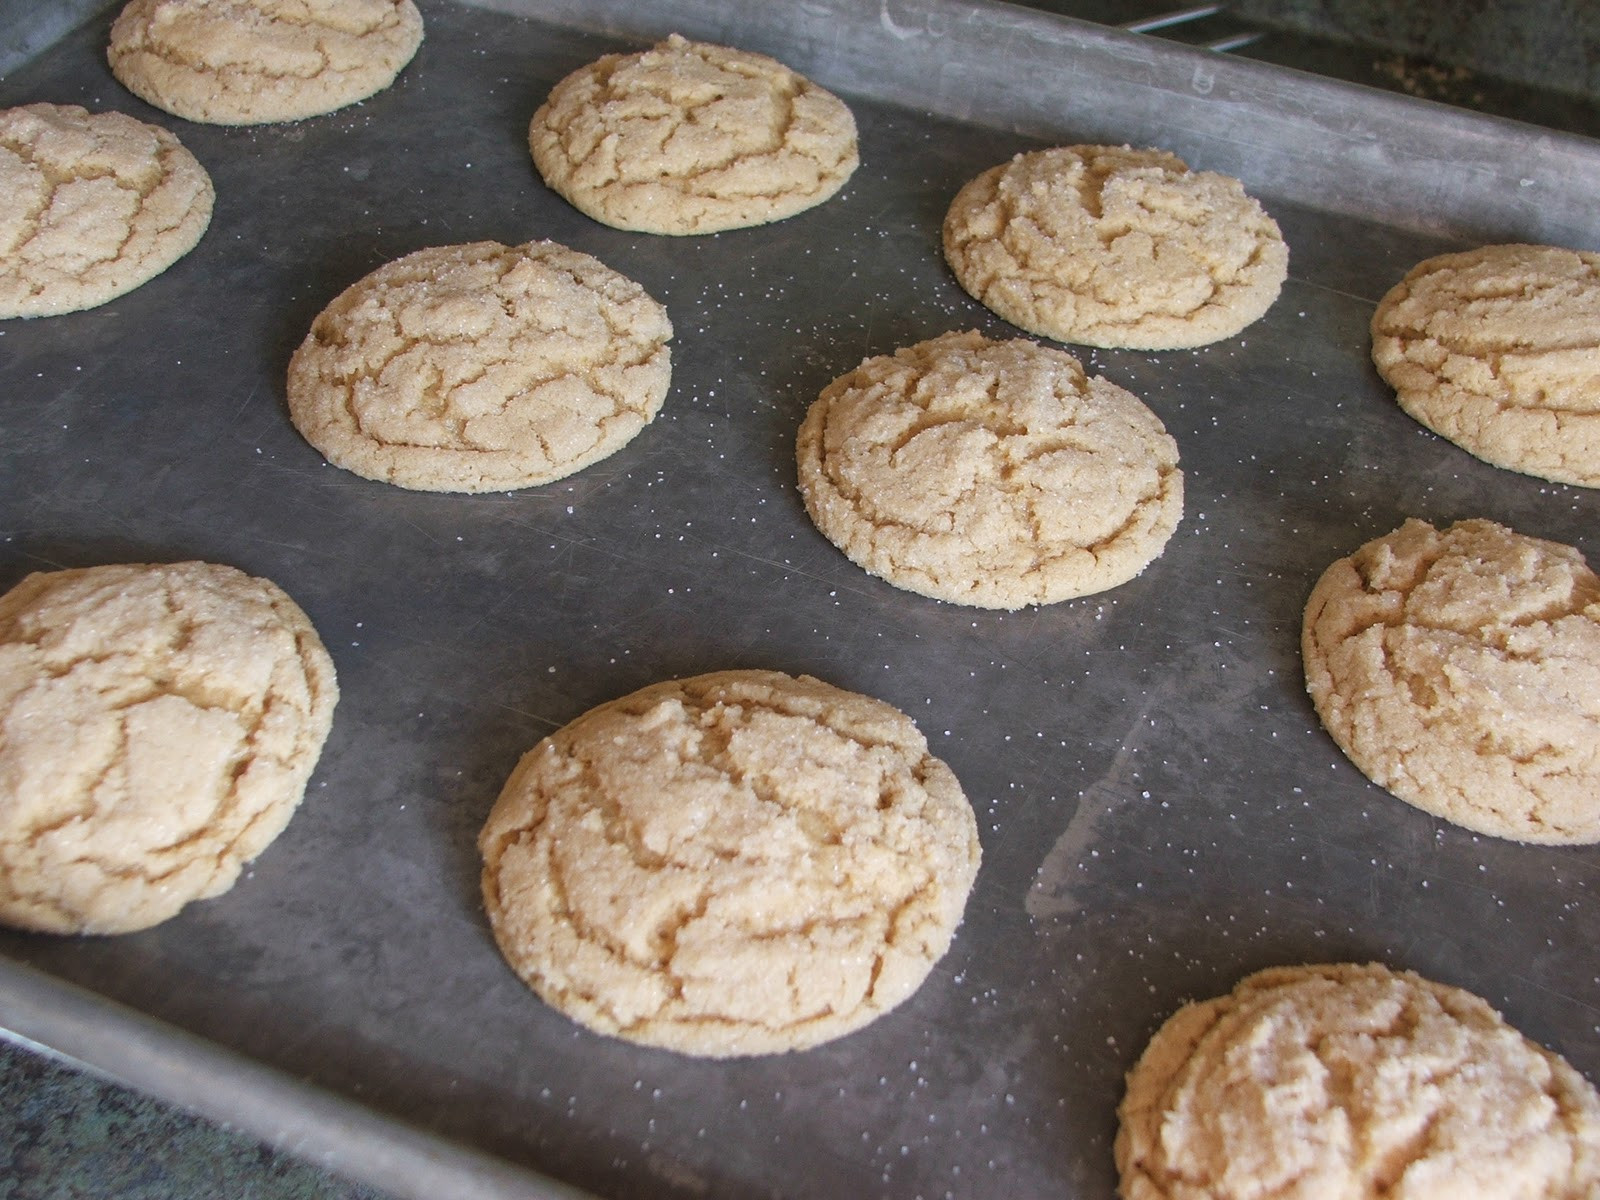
692,138
1111,246
1461,671
738,863
248,62
1498,349
91,206
1355,1082
481,368
995,474
158,724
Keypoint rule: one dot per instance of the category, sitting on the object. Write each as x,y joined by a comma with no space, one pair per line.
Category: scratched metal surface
1159,809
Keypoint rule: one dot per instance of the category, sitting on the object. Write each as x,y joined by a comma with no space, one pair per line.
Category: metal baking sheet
1160,811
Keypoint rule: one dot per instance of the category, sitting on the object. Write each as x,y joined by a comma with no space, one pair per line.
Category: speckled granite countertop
67,1133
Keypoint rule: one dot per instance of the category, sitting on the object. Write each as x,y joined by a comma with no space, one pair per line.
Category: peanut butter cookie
481,368
158,724
1111,246
250,62
1498,349
738,863
692,138
1358,1082
91,206
1461,671
995,474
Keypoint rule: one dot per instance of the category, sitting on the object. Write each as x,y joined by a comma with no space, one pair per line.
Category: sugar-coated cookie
1111,246
733,864
1460,669
91,206
1358,1082
995,474
692,138
481,367
249,62
158,724
1498,349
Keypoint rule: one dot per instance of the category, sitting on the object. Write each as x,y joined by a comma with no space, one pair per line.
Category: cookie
1357,1082
158,724
1461,671
1111,246
995,474
734,864
692,138
1498,350
481,368
91,206
250,62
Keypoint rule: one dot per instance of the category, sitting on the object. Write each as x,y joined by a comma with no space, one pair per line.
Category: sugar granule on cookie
247,62
995,474
158,724
1498,350
1460,669
739,863
481,368
1358,1082
1112,246
91,206
689,138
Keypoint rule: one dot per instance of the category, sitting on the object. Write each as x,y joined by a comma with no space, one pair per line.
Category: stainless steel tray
1160,809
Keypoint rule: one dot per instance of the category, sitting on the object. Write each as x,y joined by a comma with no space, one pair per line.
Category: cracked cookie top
1498,349
1111,246
481,367
692,138
1461,671
995,474
249,62
91,206
1358,1082
158,724
733,864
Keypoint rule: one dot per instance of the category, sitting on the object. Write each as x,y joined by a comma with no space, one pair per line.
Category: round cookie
91,206
1461,671
249,62
158,724
1111,246
733,864
692,138
481,368
995,474
1498,350
1357,1082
